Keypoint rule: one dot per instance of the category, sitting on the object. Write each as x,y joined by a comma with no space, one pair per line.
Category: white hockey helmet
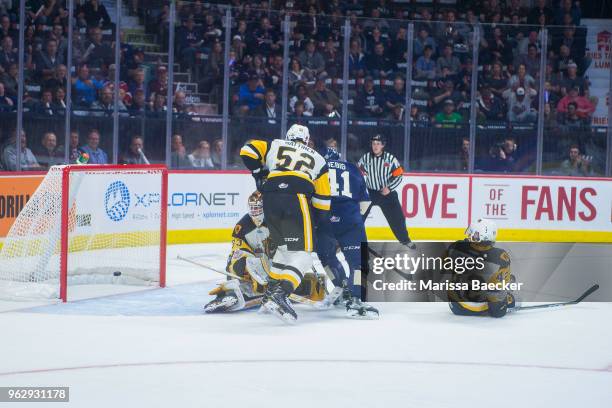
256,208
298,133
482,230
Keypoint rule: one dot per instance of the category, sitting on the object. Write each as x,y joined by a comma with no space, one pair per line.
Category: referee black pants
392,210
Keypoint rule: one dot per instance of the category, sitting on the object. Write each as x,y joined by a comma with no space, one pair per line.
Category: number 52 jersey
293,167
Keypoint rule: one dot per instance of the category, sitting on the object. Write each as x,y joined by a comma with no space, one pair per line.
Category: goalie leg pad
312,287
229,298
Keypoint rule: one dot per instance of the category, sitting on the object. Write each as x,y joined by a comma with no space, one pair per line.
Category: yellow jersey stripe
249,152
474,306
261,146
307,222
286,275
320,204
299,174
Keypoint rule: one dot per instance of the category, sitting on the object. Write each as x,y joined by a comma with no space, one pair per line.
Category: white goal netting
113,232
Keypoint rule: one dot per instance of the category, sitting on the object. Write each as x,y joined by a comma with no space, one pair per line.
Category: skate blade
273,309
329,300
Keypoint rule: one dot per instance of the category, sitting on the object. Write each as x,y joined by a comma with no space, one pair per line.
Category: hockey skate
355,308
275,302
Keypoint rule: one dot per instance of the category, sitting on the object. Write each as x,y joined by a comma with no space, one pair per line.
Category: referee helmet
378,138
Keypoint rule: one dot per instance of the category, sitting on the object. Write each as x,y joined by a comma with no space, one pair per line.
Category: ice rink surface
155,348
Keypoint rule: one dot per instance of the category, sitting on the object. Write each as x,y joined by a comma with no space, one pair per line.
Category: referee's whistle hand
385,190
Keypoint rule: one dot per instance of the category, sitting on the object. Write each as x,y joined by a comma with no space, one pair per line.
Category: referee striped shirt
381,171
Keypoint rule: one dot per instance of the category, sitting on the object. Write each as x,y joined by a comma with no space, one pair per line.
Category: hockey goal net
88,224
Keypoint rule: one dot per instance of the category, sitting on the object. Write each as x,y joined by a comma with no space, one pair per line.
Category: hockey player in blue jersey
349,201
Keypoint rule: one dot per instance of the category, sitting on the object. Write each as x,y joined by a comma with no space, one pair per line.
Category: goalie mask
298,133
256,208
483,230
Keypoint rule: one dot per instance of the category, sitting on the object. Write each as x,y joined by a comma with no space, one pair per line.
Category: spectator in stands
422,41
298,110
96,155
496,80
378,64
325,101
312,60
499,48
10,80
59,78
447,91
49,153
250,94
211,30
369,102
567,7
217,152
47,60
540,9
501,158
158,108
189,42
6,103
94,14
201,158
448,60
576,46
296,72
180,106
159,84
105,105
571,120
576,164
137,82
531,60
269,109
266,38
133,155
522,80
584,107
490,107
397,95
59,101
139,104
397,114
73,149
519,107
357,60
178,155
274,78
98,54
572,80
5,27
523,44
9,154
333,59
448,117
8,54
86,87
44,106
463,160
425,65
302,96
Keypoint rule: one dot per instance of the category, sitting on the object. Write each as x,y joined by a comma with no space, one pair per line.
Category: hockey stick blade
587,293
293,296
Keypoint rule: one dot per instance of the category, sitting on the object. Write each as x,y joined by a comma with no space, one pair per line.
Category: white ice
154,348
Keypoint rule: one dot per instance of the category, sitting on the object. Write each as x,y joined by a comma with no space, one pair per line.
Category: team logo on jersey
283,185
291,239
117,201
335,218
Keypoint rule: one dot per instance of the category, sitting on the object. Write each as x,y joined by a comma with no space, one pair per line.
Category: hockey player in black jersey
295,186
249,262
481,236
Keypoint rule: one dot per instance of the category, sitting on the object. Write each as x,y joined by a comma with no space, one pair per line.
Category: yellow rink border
419,234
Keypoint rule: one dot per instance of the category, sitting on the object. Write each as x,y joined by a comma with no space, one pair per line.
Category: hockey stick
572,302
293,296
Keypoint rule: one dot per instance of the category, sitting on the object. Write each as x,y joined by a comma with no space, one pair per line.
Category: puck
116,273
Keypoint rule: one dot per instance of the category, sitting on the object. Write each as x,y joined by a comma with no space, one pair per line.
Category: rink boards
203,206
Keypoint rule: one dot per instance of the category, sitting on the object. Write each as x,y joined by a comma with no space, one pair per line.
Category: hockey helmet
298,133
256,208
331,154
482,230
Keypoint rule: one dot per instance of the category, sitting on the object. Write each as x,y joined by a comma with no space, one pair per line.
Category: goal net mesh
113,233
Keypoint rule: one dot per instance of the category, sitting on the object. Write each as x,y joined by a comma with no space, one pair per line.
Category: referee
383,175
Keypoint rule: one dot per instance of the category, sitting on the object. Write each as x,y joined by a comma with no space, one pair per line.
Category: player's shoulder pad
243,227
498,256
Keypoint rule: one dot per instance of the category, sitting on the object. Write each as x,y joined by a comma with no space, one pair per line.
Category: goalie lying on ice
248,261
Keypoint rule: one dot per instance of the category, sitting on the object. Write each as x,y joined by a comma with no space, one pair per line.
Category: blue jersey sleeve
358,186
